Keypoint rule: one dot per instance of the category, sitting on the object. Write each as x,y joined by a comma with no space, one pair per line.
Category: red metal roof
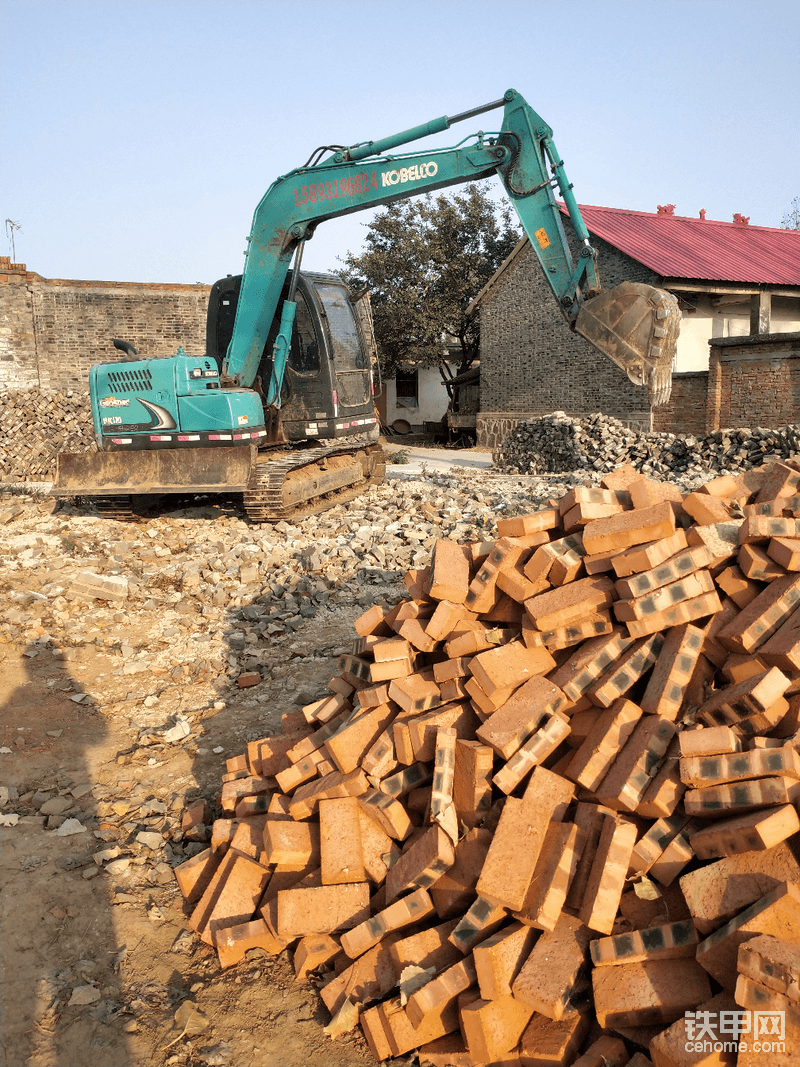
675,246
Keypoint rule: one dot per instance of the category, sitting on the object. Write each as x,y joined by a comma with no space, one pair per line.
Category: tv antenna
10,227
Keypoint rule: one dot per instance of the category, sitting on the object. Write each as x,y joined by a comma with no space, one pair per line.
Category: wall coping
31,277
754,339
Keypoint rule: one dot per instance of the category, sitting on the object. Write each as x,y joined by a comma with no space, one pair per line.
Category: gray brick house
731,279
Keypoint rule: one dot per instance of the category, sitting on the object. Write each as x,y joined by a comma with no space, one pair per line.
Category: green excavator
280,407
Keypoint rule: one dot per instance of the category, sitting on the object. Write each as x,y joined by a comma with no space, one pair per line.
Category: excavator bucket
636,326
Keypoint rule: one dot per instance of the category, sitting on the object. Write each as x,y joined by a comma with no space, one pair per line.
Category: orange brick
322,910
423,728
342,857
756,623
372,622
555,869
388,814
647,556
492,1028
454,891
194,875
700,771
624,787
480,921
785,552
411,909
757,831
403,1036
590,819
757,566
669,941
499,959
509,666
415,693
441,991
370,977
611,730
545,1043
708,741
548,976
548,519
625,671
583,666
672,672
421,864
606,1051
521,715
629,528
706,509
347,747
652,843
532,753
231,897
313,952
776,913
664,794
472,783
333,784
772,962
294,845
427,949
607,877
234,942
449,578
648,994
569,603
519,837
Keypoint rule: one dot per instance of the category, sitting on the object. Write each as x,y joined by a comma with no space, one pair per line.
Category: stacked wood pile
35,425
599,443
548,812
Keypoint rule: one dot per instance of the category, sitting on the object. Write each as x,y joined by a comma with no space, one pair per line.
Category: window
304,353
407,388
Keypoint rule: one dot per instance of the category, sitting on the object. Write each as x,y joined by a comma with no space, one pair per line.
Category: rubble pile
35,425
547,808
599,443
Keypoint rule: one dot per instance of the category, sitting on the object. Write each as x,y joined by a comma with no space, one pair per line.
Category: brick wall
686,410
53,330
532,363
754,381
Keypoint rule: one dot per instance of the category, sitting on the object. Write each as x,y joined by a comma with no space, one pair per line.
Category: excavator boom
636,326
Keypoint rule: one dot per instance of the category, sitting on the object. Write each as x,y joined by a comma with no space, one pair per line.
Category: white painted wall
726,316
431,397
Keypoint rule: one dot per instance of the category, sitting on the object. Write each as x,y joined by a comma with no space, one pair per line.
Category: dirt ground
95,965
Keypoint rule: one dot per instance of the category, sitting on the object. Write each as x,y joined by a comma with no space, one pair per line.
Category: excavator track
114,507
312,480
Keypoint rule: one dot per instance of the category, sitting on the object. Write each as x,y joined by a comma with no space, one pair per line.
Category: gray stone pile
218,594
597,444
37,424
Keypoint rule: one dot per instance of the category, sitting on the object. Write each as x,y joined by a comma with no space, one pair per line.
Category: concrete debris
70,827
598,443
83,995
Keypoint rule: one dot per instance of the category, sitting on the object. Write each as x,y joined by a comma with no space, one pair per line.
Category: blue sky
139,135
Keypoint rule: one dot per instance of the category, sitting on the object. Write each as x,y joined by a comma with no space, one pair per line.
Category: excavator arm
634,325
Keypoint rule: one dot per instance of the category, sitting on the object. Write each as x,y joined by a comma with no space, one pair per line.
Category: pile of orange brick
547,814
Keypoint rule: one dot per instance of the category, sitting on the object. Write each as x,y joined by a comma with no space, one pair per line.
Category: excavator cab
327,389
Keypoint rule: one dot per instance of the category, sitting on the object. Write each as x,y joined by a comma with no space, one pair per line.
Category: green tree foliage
791,220
424,260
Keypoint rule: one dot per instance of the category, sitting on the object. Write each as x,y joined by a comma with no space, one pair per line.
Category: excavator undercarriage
287,484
